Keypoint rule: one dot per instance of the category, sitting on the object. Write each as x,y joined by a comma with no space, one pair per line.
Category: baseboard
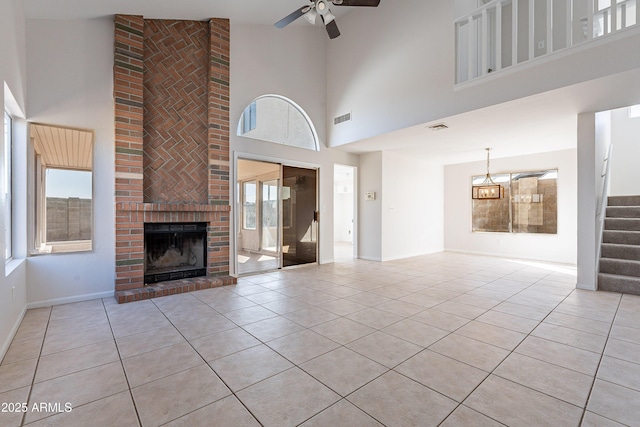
14,330
67,300
367,258
396,258
522,258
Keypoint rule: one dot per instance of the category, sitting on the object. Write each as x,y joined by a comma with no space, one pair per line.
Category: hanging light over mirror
488,189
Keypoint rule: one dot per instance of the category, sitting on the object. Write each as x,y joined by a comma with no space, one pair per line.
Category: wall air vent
341,119
438,126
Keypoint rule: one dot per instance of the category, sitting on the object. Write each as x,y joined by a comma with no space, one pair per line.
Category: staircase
620,255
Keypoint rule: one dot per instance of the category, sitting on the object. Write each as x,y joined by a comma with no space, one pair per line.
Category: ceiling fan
321,7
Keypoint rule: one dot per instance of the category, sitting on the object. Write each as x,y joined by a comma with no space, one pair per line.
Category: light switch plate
370,195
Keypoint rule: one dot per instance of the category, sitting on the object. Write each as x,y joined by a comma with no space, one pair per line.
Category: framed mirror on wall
63,188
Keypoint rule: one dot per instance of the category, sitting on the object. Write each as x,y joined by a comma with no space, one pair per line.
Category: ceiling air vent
438,126
341,119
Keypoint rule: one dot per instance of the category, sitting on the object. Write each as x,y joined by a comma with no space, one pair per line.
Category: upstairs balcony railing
503,33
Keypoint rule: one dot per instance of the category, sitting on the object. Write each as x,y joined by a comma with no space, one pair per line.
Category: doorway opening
344,210
277,218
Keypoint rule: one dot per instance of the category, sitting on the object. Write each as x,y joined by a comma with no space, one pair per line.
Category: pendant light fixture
488,189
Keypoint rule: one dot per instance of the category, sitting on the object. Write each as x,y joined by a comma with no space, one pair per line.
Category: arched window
277,119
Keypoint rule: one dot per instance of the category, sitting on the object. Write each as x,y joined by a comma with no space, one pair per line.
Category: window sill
66,247
11,264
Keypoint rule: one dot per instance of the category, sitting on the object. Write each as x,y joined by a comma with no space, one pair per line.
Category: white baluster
590,12
485,43
549,45
472,47
499,36
532,22
569,23
514,31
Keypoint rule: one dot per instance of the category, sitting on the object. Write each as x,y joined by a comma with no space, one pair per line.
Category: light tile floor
252,262
445,339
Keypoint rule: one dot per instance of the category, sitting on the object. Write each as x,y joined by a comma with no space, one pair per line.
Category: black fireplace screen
174,251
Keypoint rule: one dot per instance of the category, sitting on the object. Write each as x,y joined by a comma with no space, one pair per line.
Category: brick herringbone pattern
176,62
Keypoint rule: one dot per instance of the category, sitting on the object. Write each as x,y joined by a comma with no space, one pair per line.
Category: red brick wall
183,161
218,136
128,72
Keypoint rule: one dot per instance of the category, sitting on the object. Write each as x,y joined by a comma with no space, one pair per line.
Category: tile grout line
205,363
604,348
33,379
459,404
367,357
404,317
126,377
426,348
509,354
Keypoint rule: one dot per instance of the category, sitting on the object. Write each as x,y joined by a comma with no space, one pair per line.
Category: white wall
625,137
13,49
594,137
370,211
393,66
70,73
560,247
412,206
406,218
13,280
290,63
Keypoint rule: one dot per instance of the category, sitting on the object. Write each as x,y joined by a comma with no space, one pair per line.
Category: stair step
621,237
631,224
623,212
610,250
623,201
624,267
617,283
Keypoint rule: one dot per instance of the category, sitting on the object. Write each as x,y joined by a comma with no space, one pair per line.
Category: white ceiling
540,123
265,12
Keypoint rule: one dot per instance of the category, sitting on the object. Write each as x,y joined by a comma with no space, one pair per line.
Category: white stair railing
503,33
601,205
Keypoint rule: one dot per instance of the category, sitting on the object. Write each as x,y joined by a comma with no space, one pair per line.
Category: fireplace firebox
174,251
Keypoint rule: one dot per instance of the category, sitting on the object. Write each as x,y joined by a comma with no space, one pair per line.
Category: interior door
299,216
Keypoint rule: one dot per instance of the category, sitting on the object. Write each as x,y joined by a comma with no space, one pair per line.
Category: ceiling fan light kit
321,7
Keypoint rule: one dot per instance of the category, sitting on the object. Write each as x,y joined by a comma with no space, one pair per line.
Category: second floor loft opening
498,34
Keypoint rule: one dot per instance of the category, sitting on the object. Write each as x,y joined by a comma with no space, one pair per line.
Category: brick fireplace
171,88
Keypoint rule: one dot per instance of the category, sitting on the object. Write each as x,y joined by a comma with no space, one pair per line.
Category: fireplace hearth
174,251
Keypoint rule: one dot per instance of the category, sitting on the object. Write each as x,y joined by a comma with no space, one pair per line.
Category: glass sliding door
257,238
299,216
269,232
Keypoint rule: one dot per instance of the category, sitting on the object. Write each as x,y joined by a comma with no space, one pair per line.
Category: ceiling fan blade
370,3
332,28
292,17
